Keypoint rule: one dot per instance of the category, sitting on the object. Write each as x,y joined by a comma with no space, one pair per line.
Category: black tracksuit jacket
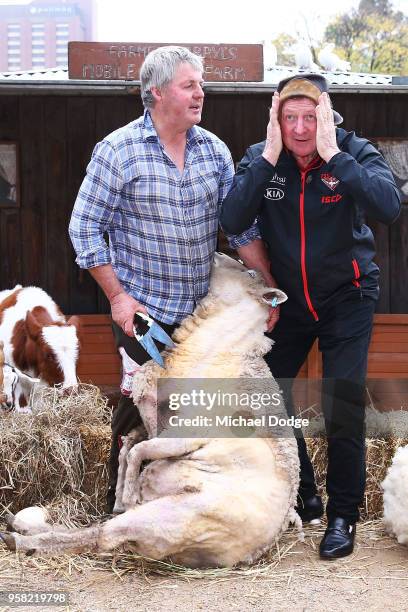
312,221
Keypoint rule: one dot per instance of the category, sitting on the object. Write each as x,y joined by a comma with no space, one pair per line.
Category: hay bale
379,455
57,456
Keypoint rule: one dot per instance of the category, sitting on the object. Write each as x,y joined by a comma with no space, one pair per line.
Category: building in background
36,35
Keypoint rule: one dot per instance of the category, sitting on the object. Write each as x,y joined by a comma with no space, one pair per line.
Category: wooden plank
400,328
9,118
98,338
59,252
10,248
384,368
111,359
390,337
95,319
387,375
219,118
109,115
389,358
80,143
390,319
382,259
98,368
122,61
399,263
10,229
34,196
100,379
388,347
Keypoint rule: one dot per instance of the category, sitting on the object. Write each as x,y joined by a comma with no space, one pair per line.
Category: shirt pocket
205,185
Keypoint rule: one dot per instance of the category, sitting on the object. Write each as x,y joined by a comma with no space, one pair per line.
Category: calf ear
32,326
75,321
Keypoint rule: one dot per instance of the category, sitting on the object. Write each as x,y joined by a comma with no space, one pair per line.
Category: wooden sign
122,61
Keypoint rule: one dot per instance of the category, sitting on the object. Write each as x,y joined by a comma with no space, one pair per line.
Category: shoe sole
309,518
335,556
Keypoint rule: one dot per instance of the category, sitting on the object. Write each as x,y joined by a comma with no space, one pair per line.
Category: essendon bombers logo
330,181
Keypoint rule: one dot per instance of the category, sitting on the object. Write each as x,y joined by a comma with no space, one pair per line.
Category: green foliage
374,38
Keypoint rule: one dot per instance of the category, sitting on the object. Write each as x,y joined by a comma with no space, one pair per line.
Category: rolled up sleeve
94,208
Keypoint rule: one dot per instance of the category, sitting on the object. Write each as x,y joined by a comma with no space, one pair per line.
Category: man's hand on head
123,308
326,143
273,145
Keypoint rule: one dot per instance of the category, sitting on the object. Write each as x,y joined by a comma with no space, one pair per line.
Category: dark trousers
343,331
126,416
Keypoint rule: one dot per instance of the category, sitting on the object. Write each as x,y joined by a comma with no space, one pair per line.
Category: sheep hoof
9,540
9,521
30,552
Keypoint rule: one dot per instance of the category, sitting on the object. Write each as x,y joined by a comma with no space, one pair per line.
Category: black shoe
310,509
338,539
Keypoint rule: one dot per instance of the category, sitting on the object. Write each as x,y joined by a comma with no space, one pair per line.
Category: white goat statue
332,62
205,501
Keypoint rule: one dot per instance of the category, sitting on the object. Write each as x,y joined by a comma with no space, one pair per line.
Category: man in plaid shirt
155,186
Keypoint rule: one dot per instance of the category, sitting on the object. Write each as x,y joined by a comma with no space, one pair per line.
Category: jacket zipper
303,247
356,272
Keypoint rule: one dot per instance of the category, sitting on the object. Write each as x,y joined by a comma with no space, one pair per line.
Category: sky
214,21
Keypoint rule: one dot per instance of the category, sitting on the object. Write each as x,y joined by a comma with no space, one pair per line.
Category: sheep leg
149,450
158,529
133,437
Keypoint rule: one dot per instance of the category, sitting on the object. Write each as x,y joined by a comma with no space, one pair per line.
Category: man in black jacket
296,209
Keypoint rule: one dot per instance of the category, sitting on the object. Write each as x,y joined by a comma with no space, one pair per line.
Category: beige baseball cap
307,85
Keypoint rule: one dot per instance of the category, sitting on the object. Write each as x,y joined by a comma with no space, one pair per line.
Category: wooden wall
56,135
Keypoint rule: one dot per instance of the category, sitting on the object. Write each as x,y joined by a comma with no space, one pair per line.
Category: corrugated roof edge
57,81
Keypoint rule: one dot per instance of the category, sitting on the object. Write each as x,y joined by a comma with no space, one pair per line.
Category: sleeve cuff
92,260
240,240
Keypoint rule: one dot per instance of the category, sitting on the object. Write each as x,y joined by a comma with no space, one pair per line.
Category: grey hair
160,66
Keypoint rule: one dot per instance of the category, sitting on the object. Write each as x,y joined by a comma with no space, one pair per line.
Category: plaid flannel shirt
162,225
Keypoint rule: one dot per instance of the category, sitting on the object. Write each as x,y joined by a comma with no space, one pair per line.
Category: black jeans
344,332
126,416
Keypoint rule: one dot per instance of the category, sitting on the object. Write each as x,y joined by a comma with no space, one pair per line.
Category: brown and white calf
37,339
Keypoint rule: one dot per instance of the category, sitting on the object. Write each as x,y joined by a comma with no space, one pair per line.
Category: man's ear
156,93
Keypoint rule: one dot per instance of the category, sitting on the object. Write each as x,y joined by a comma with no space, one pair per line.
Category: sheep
395,487
203,501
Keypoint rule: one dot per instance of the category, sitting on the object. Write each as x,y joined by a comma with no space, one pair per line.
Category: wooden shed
55,124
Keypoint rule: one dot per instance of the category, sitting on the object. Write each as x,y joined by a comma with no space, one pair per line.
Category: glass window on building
13,47
13,30
37,32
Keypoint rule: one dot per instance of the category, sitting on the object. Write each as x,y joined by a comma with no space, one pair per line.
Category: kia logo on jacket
273,193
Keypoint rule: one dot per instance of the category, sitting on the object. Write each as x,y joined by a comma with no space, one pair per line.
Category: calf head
52,348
